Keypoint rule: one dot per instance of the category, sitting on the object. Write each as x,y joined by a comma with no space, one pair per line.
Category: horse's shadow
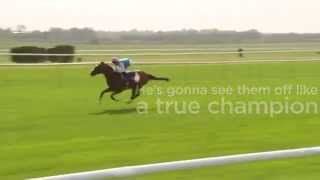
116,111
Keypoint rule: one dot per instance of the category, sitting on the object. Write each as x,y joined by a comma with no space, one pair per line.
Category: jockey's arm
120,68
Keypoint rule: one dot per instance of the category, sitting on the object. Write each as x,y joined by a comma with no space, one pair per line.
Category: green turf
51,123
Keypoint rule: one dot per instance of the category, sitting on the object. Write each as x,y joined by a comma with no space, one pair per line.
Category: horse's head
101,68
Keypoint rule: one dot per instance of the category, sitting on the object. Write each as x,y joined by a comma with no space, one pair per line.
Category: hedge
61,49
28,59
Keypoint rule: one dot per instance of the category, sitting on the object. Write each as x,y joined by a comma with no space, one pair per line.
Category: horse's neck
108,77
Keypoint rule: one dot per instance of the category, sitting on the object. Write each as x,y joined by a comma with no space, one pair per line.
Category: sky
277,16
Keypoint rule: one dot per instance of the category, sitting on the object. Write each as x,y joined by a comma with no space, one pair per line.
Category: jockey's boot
124,78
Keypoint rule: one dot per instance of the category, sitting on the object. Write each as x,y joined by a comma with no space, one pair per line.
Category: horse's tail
157,78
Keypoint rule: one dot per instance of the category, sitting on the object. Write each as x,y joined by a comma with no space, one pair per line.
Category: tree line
91,36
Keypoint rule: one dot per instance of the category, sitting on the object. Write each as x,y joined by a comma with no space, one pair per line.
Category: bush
28,59
62,49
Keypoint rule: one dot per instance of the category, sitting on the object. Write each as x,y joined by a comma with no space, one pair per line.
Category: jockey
121,66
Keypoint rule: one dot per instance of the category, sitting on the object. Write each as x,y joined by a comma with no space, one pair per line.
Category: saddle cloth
132,76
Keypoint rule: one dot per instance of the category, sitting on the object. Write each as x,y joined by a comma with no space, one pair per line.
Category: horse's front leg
102,93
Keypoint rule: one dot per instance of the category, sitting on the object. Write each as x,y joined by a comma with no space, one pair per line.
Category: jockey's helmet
115,60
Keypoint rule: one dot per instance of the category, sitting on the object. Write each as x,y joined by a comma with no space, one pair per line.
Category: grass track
51,123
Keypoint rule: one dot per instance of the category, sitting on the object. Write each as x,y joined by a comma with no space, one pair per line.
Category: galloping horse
116,84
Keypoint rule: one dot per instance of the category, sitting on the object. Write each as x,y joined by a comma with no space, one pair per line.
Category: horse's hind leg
135,92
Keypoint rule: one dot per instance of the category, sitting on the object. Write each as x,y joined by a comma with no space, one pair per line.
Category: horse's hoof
115,100
130,101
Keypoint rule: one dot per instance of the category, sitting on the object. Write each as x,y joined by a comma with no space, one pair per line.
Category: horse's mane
107,66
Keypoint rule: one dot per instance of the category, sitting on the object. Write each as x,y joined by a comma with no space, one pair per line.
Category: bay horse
116,84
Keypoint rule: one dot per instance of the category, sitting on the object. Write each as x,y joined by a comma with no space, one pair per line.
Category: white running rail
166,62
157,54
190,49
187,164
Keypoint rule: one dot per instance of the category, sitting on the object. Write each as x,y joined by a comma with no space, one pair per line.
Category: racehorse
116,84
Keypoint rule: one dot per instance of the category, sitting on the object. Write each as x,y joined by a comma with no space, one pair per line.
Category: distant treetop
90,36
